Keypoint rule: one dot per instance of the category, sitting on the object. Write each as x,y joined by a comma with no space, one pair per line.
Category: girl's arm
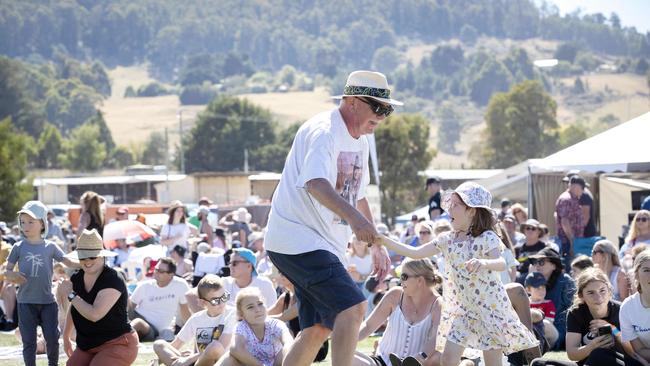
641,352
104,301
239,351
495,262
14,277
286,338
71,263
623,284
423,251
380,313
576,352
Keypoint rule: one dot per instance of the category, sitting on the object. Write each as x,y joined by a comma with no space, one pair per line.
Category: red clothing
568,208
547,307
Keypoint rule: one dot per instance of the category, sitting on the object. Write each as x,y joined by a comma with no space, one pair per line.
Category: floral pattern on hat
473,194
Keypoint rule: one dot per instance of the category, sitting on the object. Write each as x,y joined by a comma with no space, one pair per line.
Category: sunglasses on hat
378,108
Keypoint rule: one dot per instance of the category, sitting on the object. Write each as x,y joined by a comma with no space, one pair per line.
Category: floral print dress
476,310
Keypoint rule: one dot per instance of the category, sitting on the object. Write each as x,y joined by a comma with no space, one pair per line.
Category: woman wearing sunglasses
605,257
560,287
639,233
412,311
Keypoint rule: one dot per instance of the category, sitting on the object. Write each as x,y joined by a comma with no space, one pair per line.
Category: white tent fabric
615,150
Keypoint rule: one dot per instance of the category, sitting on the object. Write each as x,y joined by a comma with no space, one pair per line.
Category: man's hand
364,229
380,262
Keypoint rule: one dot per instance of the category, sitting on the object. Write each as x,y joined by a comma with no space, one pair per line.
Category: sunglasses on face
160,271
530,228
219,300
642,219
378,108
424,232
404,277
596,251
538,262
88,259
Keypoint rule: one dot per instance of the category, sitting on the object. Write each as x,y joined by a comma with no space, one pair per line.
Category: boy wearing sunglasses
211,329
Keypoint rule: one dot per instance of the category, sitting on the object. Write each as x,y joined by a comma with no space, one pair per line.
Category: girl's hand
597,323
603,341
67,347
65,287
474,265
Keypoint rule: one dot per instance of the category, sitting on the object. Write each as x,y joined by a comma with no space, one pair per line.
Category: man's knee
160,345
316,334
355,312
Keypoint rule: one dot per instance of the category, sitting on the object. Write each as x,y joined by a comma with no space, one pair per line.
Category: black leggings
598,357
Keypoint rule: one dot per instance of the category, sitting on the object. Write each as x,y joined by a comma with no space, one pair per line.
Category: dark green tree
403,151
521,124
493,77
223,131
571,135
49,147
154,149
105,134
448,129
13,171
121,157
84,151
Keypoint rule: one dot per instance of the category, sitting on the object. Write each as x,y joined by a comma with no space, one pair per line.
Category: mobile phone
605,330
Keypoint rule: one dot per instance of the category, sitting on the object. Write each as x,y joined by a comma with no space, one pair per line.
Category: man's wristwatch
423,355
71,296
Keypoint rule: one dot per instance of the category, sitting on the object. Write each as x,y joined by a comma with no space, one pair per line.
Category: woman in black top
98,311
593,337
92,216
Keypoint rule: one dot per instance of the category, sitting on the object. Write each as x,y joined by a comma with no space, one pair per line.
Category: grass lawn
366,346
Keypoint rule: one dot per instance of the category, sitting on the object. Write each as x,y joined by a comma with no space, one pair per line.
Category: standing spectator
176,231
53,228
560,287
243,274
122,214
92,216
155,302
531,246
433,187
36,306
635,312
586,204
606,259
97,311
238,222
205,229
639,232
320,201
210,329
569,218
506,204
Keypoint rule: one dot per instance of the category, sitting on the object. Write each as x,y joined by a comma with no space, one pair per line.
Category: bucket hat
472,194
369,84
89,245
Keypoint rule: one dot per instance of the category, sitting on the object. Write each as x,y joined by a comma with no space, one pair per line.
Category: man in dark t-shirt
433,186
586,201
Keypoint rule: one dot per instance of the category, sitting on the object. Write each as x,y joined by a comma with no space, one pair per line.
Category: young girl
476,313
359,261
92,216
258,340
36,304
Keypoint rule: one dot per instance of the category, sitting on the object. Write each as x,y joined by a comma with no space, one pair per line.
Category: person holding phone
593,337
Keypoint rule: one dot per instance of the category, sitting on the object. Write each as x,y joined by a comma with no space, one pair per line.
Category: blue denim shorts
323,286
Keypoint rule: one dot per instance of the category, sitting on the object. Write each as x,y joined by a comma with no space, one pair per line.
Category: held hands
474,265
364,229
380,262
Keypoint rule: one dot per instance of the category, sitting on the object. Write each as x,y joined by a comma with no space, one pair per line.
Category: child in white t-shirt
210,329
259,340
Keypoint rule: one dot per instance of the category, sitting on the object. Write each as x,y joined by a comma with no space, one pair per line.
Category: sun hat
36,210
249,256
243,215
535,279
369,84
89,245
547,252
472,194
255,236
205,201
530,223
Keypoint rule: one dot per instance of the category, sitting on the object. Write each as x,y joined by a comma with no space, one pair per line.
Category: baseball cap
249,256
433,180
570,174
576,179
36,210
535,279
505,202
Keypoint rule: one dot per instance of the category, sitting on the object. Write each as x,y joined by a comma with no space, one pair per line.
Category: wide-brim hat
368,84
547,252
531,223
472,194
89,245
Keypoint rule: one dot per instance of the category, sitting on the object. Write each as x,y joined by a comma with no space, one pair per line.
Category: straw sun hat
90,245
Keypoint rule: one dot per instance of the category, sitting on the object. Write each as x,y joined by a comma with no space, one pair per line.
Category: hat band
353,90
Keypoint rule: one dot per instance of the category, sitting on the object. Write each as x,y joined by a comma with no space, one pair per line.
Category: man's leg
213,352
521,303
306,346
346,334
146,332
166,352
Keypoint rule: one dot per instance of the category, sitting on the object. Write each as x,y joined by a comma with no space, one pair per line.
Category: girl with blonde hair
639,233
92,216
605,257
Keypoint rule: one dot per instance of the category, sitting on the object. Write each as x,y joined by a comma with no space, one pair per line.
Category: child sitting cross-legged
210,329
542,310
259,340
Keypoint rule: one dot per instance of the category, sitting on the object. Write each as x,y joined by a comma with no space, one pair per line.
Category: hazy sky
632,12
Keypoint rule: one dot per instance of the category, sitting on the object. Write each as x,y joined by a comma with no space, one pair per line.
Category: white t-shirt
203,328
510,262
158,305
209,262
322,148
635,320
169,231
364,264
262,283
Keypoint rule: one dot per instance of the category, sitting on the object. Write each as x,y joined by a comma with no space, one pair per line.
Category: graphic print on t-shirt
37,262
206,335
349,172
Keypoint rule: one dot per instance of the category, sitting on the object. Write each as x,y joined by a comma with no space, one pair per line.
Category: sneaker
394,360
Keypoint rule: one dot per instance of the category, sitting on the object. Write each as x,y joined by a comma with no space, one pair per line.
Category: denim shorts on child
323,286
